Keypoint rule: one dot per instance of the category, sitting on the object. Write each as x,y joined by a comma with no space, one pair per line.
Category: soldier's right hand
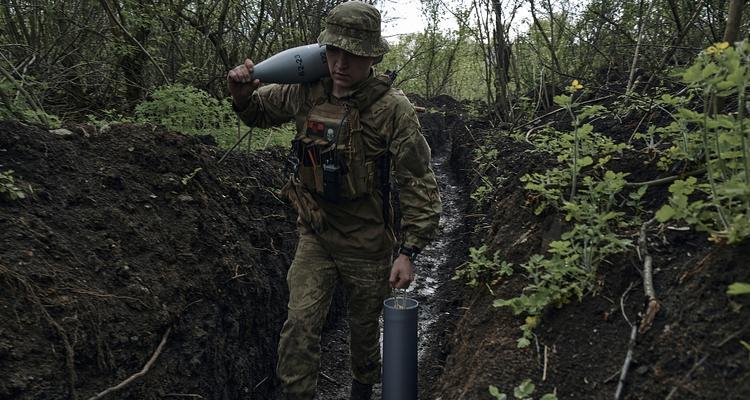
241,84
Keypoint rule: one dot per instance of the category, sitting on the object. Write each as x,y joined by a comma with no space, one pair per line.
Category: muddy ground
136,237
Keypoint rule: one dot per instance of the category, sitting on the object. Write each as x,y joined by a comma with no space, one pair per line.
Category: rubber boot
361,391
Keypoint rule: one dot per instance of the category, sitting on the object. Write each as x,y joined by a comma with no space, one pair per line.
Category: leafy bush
21,104
191,110
721,142
186,109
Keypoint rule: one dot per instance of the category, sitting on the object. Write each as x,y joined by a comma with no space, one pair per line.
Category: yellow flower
532,321
575,85
717,48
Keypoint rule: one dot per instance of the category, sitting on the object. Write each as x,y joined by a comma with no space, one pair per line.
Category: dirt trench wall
691,351
127,234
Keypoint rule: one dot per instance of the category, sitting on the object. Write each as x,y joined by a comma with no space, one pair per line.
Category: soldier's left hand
402,272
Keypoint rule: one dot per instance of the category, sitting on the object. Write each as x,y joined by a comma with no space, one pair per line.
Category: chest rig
328,151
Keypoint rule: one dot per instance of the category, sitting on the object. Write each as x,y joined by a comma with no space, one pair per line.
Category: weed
523,391
8,189
480,266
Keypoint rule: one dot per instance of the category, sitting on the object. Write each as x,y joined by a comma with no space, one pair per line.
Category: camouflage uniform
349,240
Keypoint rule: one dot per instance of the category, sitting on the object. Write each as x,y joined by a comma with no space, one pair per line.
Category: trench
434,269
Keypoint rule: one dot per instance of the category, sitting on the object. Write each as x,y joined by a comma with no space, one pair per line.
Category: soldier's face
346,68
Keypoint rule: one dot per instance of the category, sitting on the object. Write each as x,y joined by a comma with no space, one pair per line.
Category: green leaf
665,213
738,288
585,161
523,343
693,74
548,396
525,389
562,100
709,70
495,392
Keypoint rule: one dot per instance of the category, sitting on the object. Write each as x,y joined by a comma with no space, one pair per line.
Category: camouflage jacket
356,227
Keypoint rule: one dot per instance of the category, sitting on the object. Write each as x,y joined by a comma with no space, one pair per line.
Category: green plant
20,101
746,345
569,271
721,205
186,109
523,391
480,266
484,159
190,110
738,288
8,189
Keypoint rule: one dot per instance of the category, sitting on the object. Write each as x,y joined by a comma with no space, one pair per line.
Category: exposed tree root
631,345
139,374
686,377
69,353
626,364
648,280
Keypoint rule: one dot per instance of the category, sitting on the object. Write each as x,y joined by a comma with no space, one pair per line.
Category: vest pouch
360,179
332,182
311,154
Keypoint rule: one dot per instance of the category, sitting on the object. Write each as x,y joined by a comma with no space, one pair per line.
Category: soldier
352,129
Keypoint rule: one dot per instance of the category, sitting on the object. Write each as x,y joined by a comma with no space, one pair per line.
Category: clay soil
137,236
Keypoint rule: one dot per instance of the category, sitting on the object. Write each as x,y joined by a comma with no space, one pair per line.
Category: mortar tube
400,317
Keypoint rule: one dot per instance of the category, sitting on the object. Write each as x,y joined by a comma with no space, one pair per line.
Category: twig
701,264
260,383
142,372
631,344
533,128
686,377
648,280
668,179
626,364
562,109
546,360
732,336
329,379
195,396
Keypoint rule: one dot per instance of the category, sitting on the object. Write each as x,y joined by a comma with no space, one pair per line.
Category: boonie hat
355,27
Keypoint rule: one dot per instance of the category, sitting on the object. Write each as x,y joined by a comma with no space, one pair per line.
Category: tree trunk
734,19
501,67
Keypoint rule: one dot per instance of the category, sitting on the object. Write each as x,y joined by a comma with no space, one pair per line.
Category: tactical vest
329,148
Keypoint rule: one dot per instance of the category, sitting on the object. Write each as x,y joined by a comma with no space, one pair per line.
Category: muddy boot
361,391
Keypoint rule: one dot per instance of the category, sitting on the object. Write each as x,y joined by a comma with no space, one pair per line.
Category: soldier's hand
402,272
241,84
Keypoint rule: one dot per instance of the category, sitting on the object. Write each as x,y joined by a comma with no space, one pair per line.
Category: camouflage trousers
312,279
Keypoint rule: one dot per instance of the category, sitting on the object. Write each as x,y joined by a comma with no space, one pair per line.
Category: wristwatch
410,252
